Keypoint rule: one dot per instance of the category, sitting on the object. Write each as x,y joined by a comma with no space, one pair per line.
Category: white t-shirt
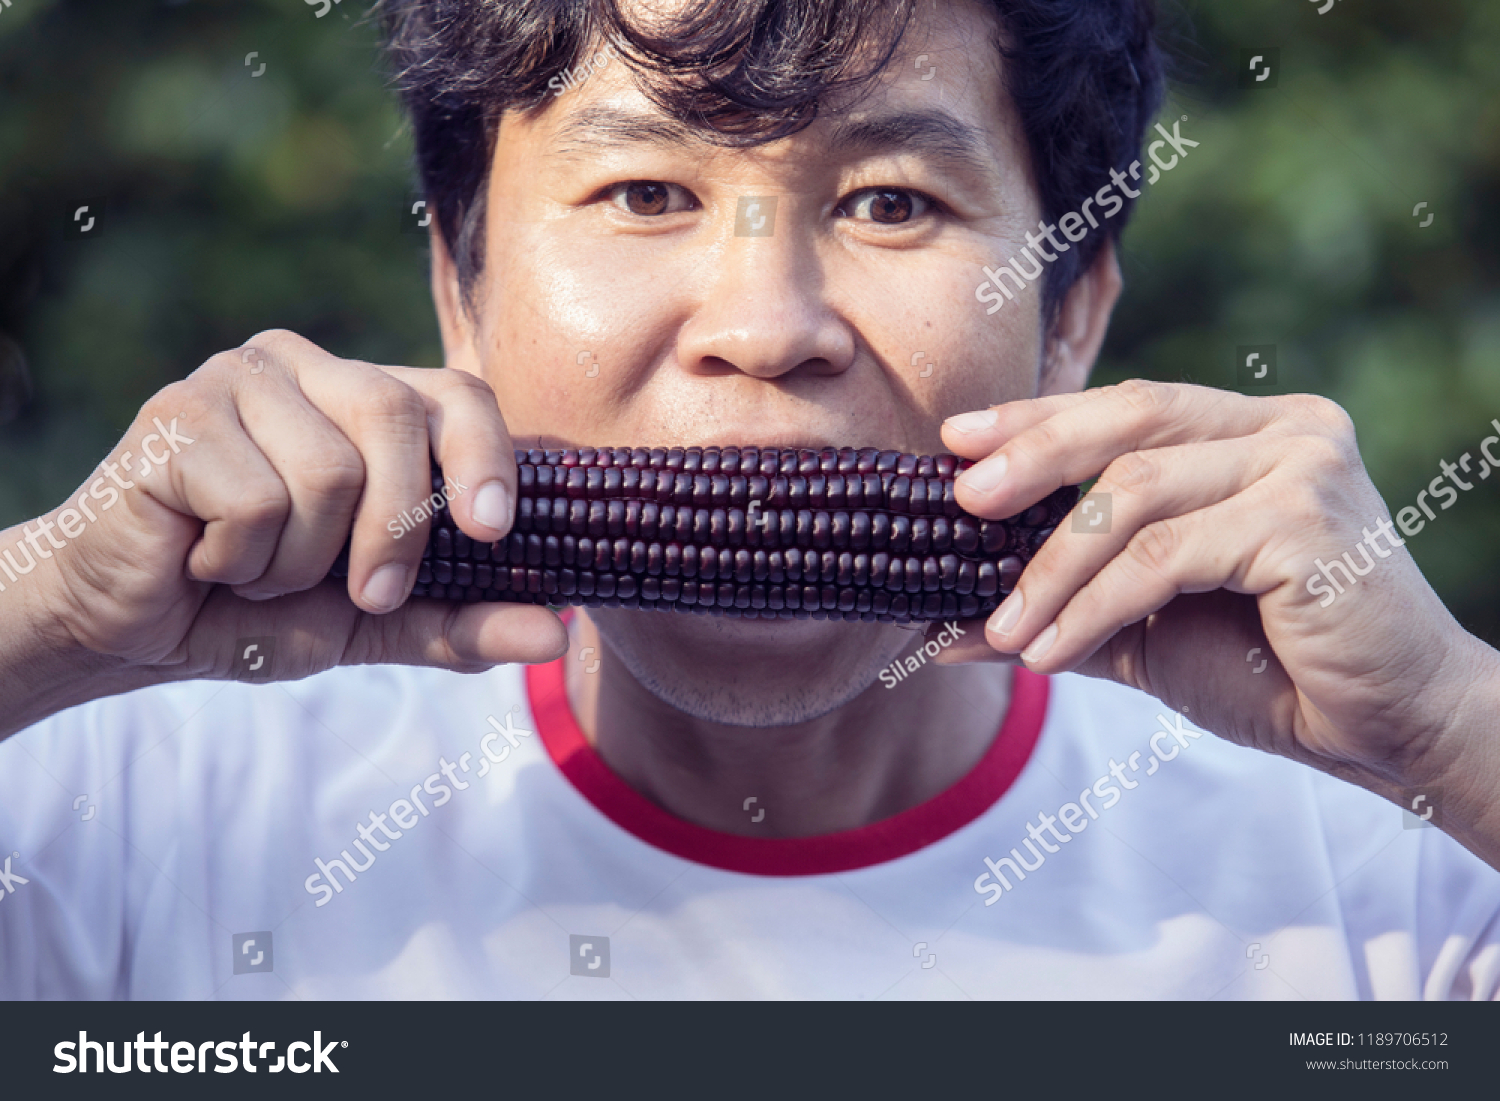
201,840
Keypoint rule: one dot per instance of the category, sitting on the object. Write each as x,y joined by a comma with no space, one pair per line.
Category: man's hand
224,528
1221,504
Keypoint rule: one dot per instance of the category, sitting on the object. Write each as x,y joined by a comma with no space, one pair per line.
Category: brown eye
646,198
891,206
650,198
888,206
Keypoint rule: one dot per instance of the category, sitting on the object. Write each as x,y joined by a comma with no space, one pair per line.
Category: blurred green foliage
232,202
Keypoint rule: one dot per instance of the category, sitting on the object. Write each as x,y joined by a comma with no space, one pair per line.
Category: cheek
949,354
1003,349
1006,350
565,333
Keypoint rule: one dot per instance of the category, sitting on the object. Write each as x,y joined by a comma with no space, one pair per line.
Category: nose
763,310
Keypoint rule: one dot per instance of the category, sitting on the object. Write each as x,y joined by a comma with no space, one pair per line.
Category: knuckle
219,361
1323,453
189,398
279,340
335,472
465,384
177,395
386,400
1040,444
1094,602
260,506
1134,473
1155,546
1325,413
1146,398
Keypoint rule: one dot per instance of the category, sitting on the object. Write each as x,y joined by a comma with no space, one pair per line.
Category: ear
1081,324
460,349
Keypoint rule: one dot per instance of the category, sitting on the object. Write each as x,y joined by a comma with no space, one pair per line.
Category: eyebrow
933,133
592,128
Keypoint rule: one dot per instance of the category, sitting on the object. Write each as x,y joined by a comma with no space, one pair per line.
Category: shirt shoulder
130,809
1419,912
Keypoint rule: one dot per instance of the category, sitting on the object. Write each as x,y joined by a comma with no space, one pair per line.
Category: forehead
940,94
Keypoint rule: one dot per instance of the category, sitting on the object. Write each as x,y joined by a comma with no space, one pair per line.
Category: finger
472,445
1076,441
970,647
321,468
318,628
230,487
1200,644
386,420
465,637
1136,404
1181,554
977,434
1143,488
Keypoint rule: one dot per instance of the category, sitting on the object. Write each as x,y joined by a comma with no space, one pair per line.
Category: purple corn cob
745,532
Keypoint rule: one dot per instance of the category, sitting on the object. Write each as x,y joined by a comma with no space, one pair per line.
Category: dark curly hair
1085,75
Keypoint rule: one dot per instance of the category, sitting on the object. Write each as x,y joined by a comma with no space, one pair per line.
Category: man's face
643,288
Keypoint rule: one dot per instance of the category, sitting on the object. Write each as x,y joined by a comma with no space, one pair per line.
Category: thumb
304,633
462,637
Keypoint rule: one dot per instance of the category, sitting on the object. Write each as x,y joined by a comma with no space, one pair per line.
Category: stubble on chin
717,680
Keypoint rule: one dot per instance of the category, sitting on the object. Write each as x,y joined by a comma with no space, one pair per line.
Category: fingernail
492,505
973,422
386,587
1038,649
1004,621
986,475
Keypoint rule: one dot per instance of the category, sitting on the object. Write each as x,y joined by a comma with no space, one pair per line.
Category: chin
749,672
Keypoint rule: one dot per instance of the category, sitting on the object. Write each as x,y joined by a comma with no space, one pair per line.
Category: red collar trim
844,851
